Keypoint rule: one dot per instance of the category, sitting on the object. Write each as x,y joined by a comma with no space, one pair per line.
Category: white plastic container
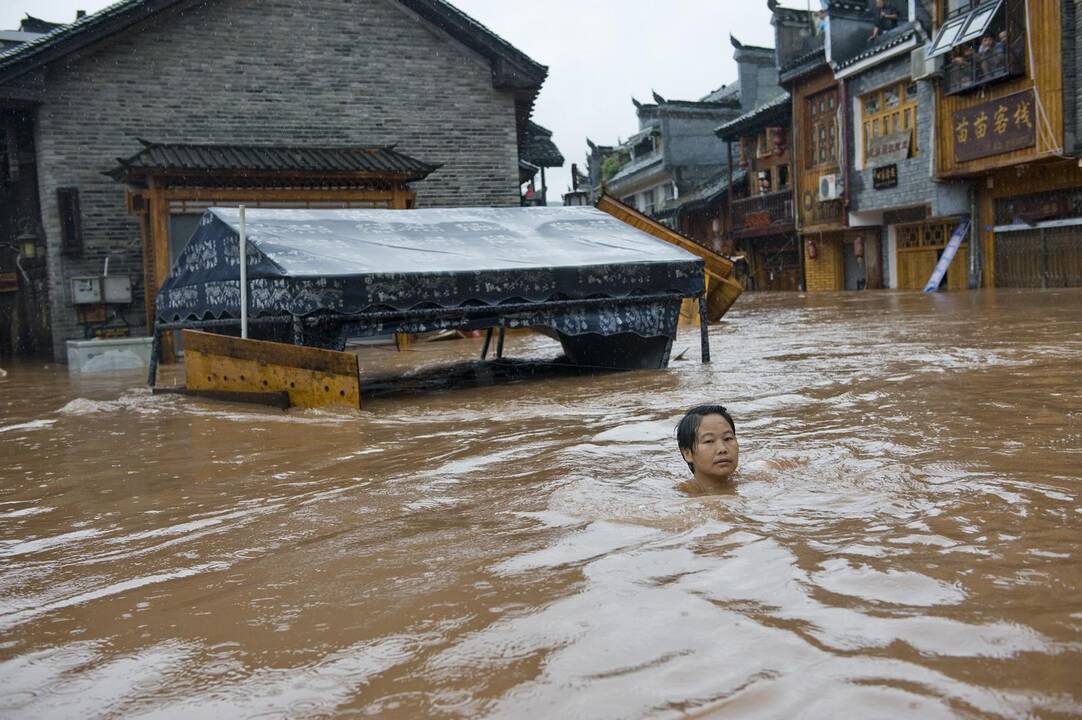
91,356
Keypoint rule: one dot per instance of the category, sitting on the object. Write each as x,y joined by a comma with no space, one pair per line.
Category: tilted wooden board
715,263
721,293
312,377
721,290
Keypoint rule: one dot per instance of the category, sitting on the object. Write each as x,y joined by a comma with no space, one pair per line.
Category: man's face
716,451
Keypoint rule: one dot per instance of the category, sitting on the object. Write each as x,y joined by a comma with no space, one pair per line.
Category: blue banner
957,238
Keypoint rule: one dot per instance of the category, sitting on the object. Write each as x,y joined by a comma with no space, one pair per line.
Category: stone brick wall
826,270
323,72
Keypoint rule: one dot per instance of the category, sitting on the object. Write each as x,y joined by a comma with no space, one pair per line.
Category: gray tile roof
781,105
637,166
193,159
538,149
805,63
886,41
118,16
706,193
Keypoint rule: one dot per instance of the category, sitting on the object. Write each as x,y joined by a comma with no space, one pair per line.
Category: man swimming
706,436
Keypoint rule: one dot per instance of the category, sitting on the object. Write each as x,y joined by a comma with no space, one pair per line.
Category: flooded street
520,551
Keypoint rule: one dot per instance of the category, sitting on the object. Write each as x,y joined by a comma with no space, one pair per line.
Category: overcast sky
600,53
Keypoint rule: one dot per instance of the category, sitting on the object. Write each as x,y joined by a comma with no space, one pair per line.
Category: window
889,111
783,177
954,7
822,113
987,44
766,144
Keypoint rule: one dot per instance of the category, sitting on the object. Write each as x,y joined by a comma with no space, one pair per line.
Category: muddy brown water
519,551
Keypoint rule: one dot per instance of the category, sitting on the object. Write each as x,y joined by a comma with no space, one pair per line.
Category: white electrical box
117,289
86,291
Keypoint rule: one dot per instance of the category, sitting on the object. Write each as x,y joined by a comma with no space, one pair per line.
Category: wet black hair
688,427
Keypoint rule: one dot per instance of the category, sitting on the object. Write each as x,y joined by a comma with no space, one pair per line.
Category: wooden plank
279,400
715,263
312,377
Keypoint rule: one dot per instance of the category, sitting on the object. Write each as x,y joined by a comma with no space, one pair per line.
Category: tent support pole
499,342
298,330
155,351
488,341
704,329
243,277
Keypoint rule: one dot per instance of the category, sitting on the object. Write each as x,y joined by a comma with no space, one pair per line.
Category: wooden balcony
763,214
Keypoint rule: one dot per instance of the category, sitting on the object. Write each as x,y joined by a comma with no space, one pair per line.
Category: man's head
706,436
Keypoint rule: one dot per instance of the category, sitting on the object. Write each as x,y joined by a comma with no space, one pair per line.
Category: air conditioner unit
829,188
923,67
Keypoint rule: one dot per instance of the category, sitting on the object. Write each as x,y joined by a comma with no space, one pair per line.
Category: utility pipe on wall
243,277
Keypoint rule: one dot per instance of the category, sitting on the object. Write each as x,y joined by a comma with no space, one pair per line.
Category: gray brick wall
265,71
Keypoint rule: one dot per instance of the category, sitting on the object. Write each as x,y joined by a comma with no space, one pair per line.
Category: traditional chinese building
537,152
818,152
369,103
761,223
676,155
900,218
1008,118
673,152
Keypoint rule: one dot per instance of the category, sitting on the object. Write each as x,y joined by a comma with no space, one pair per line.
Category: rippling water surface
520,551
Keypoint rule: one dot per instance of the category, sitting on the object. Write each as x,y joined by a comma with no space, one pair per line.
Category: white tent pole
243,277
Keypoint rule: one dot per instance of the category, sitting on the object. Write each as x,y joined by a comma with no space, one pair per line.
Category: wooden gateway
610,289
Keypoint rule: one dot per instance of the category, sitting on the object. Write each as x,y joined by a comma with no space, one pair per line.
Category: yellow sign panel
312,377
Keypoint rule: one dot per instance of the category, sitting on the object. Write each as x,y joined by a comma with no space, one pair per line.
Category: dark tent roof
352,262
193,159
538,148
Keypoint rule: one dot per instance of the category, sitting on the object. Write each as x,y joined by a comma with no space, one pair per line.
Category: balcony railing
763,214
967,72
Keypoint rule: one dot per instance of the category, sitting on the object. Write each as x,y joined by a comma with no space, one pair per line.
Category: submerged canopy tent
611,293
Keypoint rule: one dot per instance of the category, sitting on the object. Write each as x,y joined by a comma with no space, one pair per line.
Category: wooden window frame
821,110
883,120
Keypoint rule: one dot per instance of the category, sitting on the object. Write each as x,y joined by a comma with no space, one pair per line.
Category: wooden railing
763,213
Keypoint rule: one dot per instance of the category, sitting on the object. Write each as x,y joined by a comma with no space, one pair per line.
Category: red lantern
858,247
813,252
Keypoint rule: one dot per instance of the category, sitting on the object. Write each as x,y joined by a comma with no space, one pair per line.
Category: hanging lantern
858,246
813,252
716,226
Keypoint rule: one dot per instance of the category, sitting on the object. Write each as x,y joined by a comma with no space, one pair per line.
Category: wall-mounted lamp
27,243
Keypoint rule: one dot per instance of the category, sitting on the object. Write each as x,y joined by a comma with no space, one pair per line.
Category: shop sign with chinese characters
995,127
885,176
889,149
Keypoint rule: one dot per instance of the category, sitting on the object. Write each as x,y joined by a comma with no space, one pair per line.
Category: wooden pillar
148,262
158,211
